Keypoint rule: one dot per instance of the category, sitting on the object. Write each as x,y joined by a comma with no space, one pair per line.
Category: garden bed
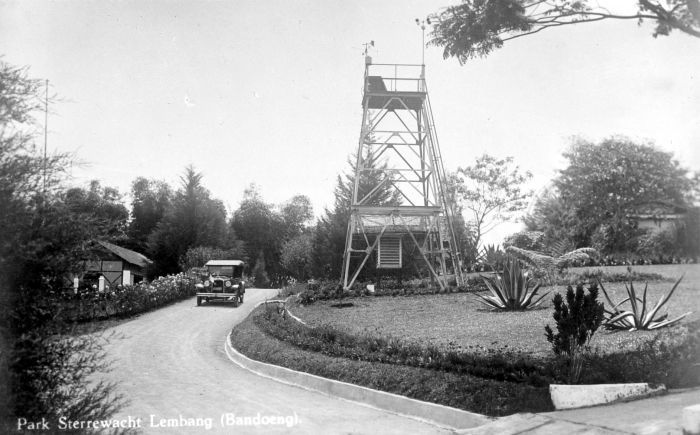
463,391
449,349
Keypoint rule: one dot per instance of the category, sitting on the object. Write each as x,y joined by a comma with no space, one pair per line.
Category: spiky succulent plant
511,290
640,316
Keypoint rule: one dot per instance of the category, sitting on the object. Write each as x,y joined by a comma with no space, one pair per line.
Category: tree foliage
199,255
261,228
490,192
151,199
259,274
297,254
104,204
194,219
296,215
46,233
331,229
464,232
551,217
600,184
475,28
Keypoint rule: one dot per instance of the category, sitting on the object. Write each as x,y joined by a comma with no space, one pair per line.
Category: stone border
581,396
691,419
430,412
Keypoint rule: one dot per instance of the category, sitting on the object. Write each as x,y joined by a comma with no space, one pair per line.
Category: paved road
171,365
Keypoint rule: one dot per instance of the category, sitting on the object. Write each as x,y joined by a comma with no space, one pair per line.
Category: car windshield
231,271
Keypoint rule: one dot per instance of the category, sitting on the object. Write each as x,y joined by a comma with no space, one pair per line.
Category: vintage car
222,280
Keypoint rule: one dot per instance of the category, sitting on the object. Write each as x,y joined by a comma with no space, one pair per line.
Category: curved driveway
171,365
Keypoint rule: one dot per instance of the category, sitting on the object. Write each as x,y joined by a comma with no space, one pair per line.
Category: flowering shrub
125,301
319,290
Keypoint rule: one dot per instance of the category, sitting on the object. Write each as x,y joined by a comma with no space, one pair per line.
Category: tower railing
397,77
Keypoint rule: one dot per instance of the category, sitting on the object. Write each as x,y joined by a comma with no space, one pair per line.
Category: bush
50,378
577,320
657,244
319,290
591,276
530,240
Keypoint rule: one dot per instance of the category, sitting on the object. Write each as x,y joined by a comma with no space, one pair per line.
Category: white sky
270,91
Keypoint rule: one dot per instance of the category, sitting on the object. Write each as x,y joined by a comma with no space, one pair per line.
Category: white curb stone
424,411
691,420
580,396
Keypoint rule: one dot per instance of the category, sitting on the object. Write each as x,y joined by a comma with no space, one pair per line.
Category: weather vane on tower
365,52
422,24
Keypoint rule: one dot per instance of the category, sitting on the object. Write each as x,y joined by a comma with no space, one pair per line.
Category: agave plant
492,256
512,290
641,317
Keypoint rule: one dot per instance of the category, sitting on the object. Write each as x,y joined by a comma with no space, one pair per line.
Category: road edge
433,413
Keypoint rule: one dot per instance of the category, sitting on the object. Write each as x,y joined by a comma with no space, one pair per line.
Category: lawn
459,321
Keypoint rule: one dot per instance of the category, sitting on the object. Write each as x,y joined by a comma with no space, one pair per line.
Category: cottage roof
127,255
658,208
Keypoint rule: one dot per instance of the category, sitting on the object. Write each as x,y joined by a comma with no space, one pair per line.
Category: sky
269,92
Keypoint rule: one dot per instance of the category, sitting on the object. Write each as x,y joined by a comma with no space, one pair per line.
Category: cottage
657,215
118,265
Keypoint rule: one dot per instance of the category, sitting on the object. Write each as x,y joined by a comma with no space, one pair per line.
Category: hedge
124,301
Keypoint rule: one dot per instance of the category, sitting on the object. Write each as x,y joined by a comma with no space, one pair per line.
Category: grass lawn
460,321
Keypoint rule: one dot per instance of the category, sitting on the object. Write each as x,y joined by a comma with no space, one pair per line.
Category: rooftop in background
224,263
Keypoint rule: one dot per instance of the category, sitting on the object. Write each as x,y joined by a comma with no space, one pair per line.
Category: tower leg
347,252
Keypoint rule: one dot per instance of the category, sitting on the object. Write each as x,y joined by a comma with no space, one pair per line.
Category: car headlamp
227,283
207,283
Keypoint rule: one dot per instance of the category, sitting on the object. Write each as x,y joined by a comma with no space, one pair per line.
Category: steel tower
398,130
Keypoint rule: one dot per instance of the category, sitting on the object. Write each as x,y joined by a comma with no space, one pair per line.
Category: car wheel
199,301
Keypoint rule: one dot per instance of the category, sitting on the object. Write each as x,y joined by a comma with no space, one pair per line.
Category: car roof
224,263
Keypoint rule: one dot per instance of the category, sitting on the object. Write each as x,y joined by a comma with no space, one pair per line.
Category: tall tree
262,230
150,201
195,219
476,27
330,232
603,180
296,214
552,217
491,192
